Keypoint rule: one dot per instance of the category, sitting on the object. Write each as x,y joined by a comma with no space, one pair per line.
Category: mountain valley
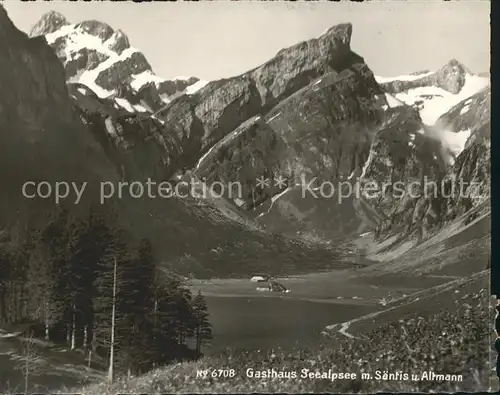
317,147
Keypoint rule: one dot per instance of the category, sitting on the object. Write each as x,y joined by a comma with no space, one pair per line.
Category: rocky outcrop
96,29
295,67
119,42
451,78
472,114
425,71
324,130
136,146
150,94
468,181
435,93
84,59
48,23
170,87
122,70
223,105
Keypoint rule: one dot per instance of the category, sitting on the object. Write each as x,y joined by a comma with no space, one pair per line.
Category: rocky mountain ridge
48,135
314,111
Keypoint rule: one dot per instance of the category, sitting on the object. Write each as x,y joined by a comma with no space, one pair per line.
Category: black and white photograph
246,197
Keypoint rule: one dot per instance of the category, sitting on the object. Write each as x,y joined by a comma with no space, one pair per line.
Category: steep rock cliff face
457,191
223,105
468,182
37,123
321,133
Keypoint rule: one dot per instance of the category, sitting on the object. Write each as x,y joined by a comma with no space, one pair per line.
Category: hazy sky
220,39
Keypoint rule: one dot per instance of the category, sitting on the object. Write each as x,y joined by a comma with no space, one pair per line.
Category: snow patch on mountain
392,101
125,104
465,109
196,87
432,101
274,199
89,77
63,31
146,77
409,77
226,140
76,39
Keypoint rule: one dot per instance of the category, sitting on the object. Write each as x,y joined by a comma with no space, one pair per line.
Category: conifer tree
203,329
107,304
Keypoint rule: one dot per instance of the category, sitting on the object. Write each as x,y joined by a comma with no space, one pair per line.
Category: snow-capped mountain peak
102,58
434,93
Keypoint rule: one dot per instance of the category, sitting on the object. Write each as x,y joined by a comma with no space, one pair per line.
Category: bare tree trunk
85,336
73,330
29,360
26,376
25,308
113,312
47,331
198,339
46,321
155,319
90,358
